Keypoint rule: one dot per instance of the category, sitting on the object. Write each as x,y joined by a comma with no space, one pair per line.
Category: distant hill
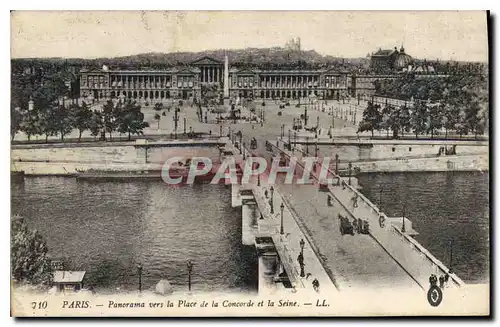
266,58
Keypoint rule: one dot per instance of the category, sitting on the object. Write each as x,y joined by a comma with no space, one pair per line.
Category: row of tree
57,119
455,102
435,89
425,118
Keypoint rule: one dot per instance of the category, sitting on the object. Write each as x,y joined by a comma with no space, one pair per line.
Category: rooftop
65,276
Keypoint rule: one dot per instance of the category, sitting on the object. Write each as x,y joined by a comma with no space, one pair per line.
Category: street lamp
380,197
282,207
190,269
403,229
289,141
336,164
271,201
300,259
295,140
139,271
307,145
350,172
451,257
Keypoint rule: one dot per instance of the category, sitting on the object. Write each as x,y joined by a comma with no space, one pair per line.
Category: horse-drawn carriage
253,143
361,226
346,226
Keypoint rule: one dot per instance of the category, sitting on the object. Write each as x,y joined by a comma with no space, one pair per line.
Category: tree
110,118
63,121
395,122
131,120
29,262
474,118
371,118
95,124
47,122
30,124
82,116
435,118
450,116
15,122
404,119
419,117
157,118
158,106
385,120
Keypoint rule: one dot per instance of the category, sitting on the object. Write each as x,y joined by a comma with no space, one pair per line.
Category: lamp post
243,149
282,207
295,140
271,200
301,258
380,197
451,257
176,120
139,271
403,229
258,180
307,145
316,149
289,141
190,269
350,172
336,164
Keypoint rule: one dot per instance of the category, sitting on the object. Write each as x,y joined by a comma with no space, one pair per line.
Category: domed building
402,60
387,61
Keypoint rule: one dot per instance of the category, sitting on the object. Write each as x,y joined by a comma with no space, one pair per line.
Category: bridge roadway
353,261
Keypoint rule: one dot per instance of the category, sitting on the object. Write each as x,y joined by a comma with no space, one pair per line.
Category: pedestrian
441,282
315,284
355,201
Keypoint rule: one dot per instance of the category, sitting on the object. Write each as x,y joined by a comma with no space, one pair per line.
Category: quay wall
381,158
67,160
447,163
394,151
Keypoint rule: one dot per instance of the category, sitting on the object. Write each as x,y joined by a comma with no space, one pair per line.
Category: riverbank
439,164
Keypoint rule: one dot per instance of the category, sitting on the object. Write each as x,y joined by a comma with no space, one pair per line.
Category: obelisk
226,77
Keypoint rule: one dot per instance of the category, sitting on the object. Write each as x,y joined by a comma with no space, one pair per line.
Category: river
107,229
443,207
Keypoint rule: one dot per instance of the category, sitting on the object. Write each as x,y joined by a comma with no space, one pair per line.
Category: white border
184,5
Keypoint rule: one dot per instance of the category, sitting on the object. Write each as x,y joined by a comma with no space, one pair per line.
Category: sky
444,35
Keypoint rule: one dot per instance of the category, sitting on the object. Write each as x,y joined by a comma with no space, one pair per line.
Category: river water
443,207
107,229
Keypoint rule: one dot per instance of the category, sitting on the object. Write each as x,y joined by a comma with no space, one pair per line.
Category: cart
345,226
